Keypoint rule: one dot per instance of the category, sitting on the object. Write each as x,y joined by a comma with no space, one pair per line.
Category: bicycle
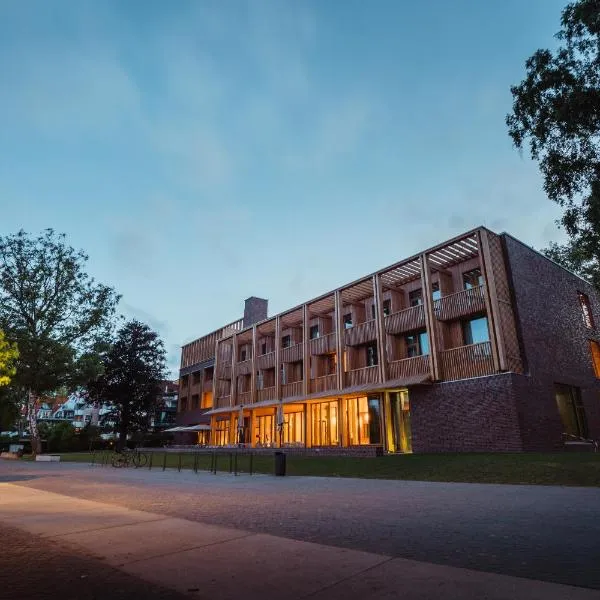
126,458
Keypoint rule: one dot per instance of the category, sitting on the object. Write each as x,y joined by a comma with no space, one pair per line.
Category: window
293,428
472,279
476,331
570,408
263,348
183,404
286,341
387,307
415,298
348,321
314,332
264,430
586,310
242,355
324,424
371,355
595,351
436,294
222,432
195,401
417,344
363,421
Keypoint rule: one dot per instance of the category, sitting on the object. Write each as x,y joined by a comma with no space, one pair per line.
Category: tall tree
8,357
133,368
556,112
55,313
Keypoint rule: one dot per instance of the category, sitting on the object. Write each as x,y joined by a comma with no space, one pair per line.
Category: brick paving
546,533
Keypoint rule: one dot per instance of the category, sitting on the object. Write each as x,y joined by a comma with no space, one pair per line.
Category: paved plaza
219,535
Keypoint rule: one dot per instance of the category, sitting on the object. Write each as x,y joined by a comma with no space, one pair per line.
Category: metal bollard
165,460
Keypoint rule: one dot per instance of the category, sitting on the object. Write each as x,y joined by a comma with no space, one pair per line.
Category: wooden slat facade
426,295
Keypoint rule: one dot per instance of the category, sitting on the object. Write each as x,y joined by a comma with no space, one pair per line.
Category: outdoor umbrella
241,425
280,421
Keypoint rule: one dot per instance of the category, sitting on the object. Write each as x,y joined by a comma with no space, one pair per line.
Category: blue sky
202,152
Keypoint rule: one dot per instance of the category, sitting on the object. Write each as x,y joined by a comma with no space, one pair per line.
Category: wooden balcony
266,394
224,371
323,345
244,398
464,362
244,367
291,389
408,367
323,384
460,304
361,376
292,353
222,402
408,319
361,333
266,361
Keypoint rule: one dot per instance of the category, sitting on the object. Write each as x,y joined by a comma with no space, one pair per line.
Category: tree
556,111
55,313
133,368
8,356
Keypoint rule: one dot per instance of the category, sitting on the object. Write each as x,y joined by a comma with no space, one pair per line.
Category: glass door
400,416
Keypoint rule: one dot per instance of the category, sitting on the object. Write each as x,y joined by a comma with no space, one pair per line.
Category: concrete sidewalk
221,563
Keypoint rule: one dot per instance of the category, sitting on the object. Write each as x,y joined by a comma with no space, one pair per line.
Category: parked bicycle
127,458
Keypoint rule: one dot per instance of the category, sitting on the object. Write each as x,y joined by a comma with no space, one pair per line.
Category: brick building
477,344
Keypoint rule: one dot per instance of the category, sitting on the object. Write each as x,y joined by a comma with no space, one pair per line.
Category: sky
202,152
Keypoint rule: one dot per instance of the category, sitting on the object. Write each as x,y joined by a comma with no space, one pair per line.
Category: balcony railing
460,304
361,376
323,345
323,384
265,361
244,367
361,333
291,389
408,367
266,394
244,398
223,402
409,319
474,360
292,353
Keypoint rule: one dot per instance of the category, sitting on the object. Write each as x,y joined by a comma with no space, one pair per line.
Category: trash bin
280,464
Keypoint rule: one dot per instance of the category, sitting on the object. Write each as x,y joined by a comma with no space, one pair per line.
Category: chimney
255,310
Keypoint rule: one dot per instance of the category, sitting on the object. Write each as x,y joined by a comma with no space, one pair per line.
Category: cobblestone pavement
31,567
540,532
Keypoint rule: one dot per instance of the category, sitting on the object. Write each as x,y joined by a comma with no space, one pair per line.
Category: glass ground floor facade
378,419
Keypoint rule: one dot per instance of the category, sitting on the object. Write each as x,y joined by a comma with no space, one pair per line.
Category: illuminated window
293,428
595,350
314,332
222,432
264,430
324,424
586,310
207,400
363,421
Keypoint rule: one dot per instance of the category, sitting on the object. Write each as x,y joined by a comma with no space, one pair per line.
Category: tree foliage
8,357
53,310
133,368
556,113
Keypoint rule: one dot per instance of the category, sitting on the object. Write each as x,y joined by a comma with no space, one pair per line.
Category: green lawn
544,469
